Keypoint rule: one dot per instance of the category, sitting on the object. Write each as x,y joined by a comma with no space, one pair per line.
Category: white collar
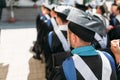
47,16
63,27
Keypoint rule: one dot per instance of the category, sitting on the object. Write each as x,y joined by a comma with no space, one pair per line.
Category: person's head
82,28
42,9
45,8
117,10
79,36
114,9
100,9
60,18
52,12
61,14
116,2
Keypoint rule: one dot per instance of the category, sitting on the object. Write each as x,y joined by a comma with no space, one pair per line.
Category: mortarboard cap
89,5
63,3
86,25
105,8
47,6
53,6
62,9
83,33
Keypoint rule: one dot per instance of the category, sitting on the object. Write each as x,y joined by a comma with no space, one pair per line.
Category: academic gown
43,29
56,47
115,21
93,61
114,33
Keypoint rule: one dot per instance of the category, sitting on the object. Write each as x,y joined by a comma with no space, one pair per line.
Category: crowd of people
77,44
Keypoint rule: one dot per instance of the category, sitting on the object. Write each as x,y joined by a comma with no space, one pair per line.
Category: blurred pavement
16,62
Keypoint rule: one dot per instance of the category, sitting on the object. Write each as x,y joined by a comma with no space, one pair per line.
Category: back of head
102,9
83,33
89,22
62,11
84,26
47,6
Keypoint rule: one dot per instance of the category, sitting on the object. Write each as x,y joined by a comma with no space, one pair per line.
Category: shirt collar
63,27
85,51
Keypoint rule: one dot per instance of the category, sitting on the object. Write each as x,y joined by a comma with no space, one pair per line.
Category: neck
81,43
61,22
84,44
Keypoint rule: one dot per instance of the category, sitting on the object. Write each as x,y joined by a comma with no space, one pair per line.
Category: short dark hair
102,9
83,33
62,16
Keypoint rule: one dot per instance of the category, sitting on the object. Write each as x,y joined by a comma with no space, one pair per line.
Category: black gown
43,28
57,47
95,64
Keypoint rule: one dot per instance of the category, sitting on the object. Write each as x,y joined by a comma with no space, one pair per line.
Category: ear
74,37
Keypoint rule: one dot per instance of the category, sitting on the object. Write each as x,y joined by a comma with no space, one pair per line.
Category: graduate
86,63
44,26
57,39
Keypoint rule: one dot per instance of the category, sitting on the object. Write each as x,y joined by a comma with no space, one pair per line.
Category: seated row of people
85,33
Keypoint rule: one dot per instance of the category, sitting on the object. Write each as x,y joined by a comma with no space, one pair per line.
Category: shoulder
69,69
110,58
52,34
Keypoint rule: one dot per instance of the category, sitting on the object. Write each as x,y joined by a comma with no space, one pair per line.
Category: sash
63,40
55,26
101,41
76,61
83,68
87,73
47,16
106,67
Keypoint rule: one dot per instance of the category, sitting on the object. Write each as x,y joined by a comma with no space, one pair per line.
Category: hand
110,28
115,48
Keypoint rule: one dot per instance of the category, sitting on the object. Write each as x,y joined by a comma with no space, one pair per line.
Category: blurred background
11,10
